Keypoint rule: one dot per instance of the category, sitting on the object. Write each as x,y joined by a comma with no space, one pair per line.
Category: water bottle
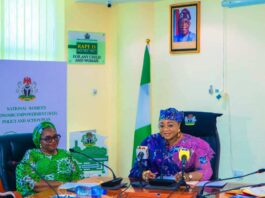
84,191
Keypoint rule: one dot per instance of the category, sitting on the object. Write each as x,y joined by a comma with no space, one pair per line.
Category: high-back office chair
12,149
203,125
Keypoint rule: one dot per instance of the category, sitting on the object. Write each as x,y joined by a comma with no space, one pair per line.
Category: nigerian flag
143,119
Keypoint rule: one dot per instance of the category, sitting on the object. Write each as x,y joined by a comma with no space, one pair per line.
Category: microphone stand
182,181
200,194
141,155
116,181
139,161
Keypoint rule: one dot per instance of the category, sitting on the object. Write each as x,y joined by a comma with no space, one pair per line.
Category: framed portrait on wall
185,27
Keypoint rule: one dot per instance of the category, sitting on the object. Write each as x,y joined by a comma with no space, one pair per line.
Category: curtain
32,29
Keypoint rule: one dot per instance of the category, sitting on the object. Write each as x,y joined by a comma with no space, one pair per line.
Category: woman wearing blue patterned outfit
163,149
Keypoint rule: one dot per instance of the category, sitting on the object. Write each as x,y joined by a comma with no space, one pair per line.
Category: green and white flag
143,119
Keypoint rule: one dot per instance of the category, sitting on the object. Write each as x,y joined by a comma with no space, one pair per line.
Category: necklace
175,139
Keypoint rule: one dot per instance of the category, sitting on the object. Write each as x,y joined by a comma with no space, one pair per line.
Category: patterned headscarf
38,130
171,114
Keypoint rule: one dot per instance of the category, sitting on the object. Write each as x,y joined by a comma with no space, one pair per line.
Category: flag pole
147,41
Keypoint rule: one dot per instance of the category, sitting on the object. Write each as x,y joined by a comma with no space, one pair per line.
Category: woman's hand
191,176
187,176
148,175
178,176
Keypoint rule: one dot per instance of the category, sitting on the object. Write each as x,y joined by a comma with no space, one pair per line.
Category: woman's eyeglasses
49,139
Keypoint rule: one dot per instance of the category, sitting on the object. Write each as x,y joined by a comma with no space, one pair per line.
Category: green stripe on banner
139,135
146,67
72,46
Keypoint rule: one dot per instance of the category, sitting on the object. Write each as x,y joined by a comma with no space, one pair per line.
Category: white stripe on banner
143,111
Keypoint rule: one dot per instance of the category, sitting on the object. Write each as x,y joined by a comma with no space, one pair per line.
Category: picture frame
185,27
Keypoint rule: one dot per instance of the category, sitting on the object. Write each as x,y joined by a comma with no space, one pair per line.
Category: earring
179,133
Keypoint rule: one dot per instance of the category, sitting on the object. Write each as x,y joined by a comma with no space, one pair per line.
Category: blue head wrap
171,114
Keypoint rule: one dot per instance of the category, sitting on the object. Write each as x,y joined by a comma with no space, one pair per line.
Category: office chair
12,149
203,125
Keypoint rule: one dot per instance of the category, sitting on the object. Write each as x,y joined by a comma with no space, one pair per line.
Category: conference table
135,192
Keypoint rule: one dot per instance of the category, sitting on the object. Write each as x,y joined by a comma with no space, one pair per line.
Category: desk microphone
184,156
141,154
14,164
236,188
200,194
112,183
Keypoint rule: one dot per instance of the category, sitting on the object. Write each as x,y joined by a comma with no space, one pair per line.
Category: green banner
91,145
86,48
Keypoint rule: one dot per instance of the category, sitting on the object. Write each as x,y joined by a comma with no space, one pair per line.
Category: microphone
112,183
184,156
140,156
236,188
141,153
15,163
200,194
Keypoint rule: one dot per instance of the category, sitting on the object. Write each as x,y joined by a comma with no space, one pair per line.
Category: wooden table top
132,192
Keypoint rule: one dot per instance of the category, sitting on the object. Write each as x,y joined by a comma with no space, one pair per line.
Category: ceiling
114,1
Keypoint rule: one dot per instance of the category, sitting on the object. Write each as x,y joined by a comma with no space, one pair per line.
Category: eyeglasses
49,139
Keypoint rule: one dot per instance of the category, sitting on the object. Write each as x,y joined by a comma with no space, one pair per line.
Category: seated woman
47,162
164,147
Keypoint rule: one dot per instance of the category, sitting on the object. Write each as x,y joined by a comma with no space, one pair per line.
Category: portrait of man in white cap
183,24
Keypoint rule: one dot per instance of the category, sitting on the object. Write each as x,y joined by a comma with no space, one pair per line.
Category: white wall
134,26
85,110
231,59
244,51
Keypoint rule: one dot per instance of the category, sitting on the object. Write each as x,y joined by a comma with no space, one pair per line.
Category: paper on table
217,184
68,185
256,191
74,185
192,183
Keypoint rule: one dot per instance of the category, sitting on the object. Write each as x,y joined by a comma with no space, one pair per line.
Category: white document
74,185
217,184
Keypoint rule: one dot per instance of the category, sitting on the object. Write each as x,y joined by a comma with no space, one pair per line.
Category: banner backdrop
32,92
